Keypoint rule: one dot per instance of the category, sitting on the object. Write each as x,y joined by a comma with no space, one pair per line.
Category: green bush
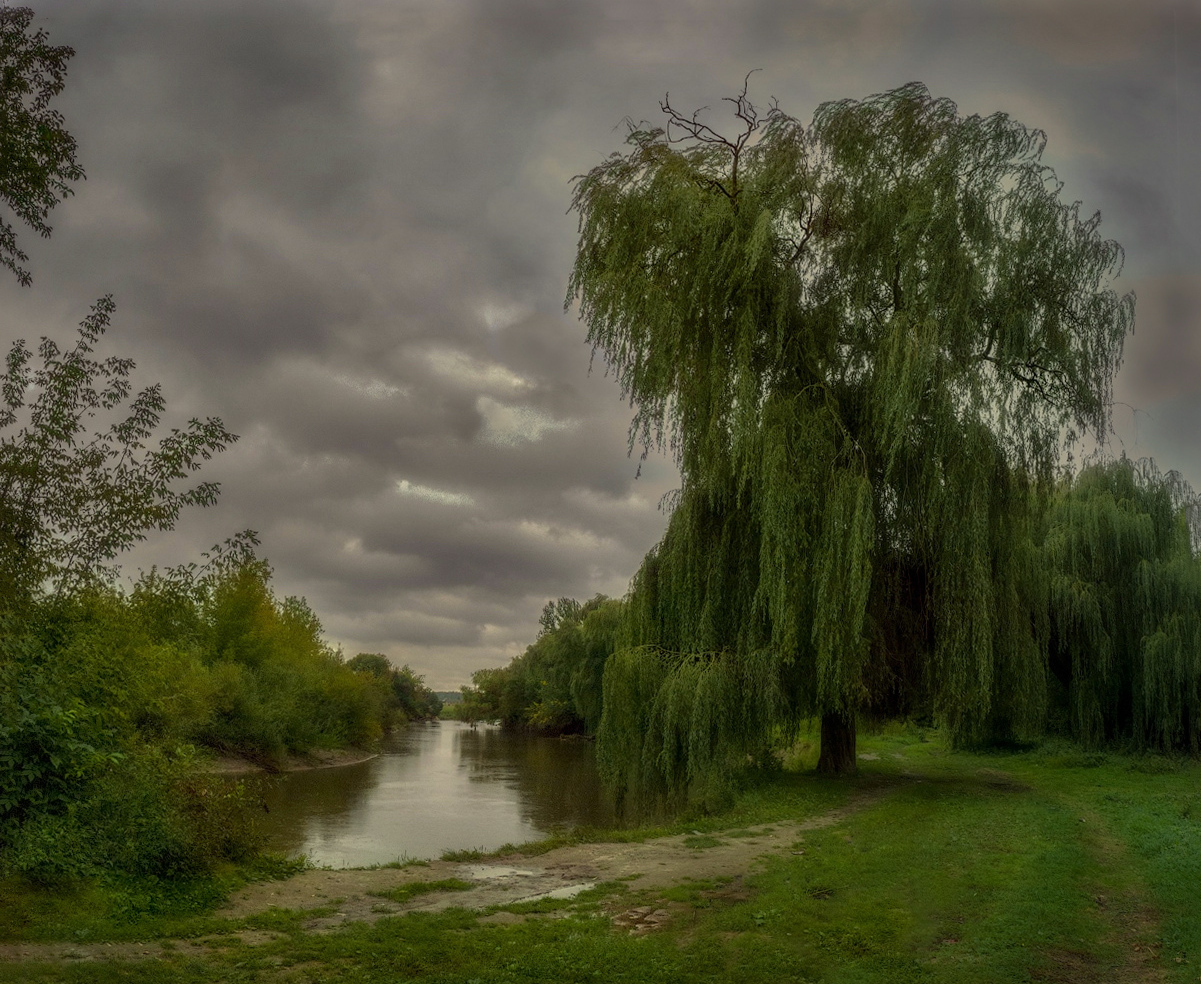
149,815
104,697
51,741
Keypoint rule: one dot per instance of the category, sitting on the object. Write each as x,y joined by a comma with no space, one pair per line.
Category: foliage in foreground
73,495
954,868
37,154
104,696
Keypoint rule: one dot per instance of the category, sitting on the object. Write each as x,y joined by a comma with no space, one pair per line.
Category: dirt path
560,873
341,896
1131,924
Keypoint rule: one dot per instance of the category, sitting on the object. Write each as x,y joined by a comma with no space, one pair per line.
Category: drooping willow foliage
1125,603
864,343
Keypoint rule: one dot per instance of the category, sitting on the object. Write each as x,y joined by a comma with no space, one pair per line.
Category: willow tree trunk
837,756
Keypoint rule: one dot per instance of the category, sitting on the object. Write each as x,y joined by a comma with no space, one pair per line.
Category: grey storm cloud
342,226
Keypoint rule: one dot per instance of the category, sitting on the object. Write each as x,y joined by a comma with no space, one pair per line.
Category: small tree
37,155
70,500
865,344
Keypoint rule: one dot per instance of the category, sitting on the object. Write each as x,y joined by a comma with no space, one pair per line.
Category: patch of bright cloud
430,494
562,536
498,315
377,389
509,426
598,502
474,374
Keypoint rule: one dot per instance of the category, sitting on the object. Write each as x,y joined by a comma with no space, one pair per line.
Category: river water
437,786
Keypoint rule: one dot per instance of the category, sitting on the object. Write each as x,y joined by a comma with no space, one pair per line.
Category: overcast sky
341,227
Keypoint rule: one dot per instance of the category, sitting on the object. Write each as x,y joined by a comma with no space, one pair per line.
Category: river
435,787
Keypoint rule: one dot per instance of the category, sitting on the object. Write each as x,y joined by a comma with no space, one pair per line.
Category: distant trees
554,687
410,698
482,698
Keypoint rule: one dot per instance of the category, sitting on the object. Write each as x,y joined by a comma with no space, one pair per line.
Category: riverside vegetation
113,699
869,344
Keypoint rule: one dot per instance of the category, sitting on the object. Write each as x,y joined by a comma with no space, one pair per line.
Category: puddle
566,892
489,872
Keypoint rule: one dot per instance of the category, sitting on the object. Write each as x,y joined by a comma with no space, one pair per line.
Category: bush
104,696
148,815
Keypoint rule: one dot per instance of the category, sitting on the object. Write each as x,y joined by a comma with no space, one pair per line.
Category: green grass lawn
1048,865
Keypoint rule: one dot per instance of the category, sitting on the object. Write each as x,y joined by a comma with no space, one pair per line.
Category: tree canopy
866,343
74,495
37,154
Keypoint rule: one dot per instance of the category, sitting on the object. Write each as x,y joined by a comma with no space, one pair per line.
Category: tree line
1113,605
554,687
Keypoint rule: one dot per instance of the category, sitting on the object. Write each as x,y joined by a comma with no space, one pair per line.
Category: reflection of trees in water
556,779
550,783
296,798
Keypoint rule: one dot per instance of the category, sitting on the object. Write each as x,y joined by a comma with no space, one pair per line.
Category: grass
119,910
399,864
700,842
402,893
1050,864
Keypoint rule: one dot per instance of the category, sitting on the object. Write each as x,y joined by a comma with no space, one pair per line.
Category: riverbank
504,888
932,866
321,758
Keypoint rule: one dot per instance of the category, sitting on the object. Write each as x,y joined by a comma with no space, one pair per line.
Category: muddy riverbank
229,765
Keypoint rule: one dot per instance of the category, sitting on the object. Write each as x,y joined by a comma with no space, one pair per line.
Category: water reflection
437,787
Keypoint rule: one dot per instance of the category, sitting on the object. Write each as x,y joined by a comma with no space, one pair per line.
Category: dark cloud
1090,32
341,226
1164,355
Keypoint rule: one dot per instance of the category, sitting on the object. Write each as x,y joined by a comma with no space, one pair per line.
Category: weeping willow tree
1125,594
865,343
